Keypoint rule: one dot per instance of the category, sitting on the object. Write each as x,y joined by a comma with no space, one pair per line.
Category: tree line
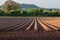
31,12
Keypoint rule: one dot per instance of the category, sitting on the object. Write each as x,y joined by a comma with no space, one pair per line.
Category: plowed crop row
30,23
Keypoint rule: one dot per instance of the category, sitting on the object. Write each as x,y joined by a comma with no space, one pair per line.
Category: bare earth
29,28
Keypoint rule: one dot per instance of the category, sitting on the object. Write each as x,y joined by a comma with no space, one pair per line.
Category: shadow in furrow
54,26
24,27
51,27
47,25
7,28
40,28
12,27
32,27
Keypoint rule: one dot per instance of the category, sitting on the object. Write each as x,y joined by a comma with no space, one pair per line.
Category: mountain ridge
28,6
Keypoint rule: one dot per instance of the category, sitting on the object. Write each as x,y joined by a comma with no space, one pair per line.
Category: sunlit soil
53,21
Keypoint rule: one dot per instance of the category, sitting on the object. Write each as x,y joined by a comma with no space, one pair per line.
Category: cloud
2,1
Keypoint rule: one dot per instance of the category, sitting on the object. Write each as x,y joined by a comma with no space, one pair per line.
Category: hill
10,5
27,6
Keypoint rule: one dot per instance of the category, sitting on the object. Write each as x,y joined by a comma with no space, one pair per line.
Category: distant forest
31,12
11,8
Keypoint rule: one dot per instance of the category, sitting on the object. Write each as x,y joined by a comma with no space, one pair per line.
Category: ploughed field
30,28
30,24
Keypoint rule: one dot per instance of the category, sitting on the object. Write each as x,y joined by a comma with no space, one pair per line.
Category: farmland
32,27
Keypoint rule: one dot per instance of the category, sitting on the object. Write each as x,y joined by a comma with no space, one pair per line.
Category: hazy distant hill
9,5
26,6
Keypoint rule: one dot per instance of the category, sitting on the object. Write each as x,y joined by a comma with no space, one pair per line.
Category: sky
40,3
